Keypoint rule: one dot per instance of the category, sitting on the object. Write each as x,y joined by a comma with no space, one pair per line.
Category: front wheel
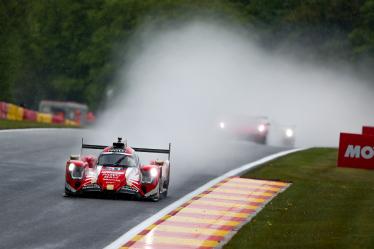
68,193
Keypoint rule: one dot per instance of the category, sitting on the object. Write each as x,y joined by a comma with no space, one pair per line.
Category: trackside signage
368,130
356,151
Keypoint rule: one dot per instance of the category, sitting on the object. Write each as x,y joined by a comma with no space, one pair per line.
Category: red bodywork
83,174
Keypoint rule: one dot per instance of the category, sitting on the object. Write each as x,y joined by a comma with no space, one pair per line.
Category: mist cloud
180,80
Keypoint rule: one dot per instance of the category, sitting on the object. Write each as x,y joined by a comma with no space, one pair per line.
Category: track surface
33,213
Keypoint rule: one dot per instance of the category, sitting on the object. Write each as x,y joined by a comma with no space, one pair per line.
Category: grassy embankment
326,206
10,124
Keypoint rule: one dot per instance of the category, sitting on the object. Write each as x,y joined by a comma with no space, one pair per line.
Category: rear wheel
156,197
165,193
166,186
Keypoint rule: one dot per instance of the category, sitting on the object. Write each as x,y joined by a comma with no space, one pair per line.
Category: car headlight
76,172
289,132
153,172
71,167
222,125
261,128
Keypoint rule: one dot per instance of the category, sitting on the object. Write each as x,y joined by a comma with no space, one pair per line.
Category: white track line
140,227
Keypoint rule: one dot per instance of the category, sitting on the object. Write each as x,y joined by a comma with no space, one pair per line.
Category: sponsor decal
113,172
111,175
91,186
110,187
117,150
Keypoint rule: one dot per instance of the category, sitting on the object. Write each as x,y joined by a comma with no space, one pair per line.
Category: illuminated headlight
222,125
261,128
75,172
153,172
289,133
71,167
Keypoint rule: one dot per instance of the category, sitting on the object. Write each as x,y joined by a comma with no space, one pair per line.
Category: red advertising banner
356,151
368,130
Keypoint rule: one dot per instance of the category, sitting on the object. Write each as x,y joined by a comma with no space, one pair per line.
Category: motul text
355,151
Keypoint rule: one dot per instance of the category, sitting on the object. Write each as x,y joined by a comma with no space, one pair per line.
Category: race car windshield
116,160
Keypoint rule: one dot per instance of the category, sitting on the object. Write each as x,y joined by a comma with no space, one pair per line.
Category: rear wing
148,150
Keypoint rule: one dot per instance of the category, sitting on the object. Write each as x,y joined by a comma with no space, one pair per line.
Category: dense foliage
60,49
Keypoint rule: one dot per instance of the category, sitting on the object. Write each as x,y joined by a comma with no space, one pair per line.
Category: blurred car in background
288,135
251,128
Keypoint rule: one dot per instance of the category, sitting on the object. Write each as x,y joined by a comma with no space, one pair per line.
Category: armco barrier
15,112
43,117
3,110
29,115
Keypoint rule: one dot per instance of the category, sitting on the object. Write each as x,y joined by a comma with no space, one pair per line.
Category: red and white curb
210,217
141,228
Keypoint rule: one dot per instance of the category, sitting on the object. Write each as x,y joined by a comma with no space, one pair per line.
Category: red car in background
118,170
251,128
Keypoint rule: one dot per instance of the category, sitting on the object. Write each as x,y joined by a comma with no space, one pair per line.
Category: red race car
118,170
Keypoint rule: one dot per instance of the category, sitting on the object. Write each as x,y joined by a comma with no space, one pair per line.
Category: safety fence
14,112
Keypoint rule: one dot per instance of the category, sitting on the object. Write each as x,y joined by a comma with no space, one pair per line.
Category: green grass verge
11,124
326,206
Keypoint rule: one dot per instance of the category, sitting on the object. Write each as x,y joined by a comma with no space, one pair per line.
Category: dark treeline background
64,49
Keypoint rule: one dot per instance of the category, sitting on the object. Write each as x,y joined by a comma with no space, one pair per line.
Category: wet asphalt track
33,213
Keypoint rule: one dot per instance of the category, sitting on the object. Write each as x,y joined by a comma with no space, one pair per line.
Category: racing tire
166,186
68,193
165,193
157,197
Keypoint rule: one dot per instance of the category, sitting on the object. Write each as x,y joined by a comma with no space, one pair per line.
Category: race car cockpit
117,159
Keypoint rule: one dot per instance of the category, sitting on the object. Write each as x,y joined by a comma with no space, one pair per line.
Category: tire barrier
58,119
14,112
3,110
70,122
29,115
44,118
